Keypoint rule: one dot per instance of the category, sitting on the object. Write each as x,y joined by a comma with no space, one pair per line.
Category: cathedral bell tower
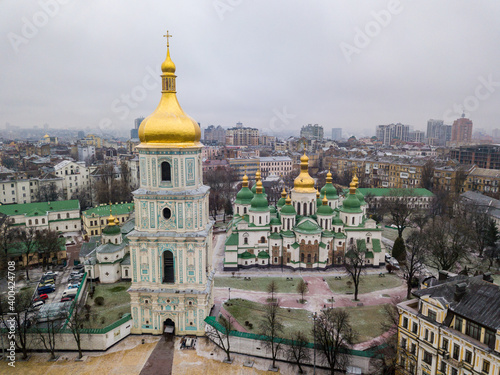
171,246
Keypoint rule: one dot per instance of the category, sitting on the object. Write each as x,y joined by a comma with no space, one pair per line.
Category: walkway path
161,359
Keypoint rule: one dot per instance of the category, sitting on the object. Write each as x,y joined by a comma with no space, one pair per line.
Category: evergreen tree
399,249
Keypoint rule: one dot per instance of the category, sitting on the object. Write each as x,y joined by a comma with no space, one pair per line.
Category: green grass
369,283
258,283
366,320
116,303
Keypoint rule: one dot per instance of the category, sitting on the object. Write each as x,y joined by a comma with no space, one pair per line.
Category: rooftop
116,209
41,208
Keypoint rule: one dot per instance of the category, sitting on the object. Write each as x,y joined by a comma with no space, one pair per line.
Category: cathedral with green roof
307,229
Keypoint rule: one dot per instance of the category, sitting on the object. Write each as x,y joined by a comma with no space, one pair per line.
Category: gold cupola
304,183
169,124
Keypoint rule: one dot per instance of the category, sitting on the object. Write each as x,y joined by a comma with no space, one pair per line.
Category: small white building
75,176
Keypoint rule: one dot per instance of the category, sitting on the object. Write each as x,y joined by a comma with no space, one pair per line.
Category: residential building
171,245
242,166
61,216
209,165
215,134
312,132
212,152
94,219
416,136
484,156
92,139
461,131
387,134
22,190
267,140
86,153
75,176
336,134
483,180
438,134
307,229
418,198
451,328
275,165
484,203
242,136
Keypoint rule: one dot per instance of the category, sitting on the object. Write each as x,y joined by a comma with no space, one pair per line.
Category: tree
27,243
479,223
221,182
271,327
297,350
48,242
447,241
398,250
334,336
47,335
105,182
398,205
7,239
18,316
355,266
75,324
125,183
221,338
427,175
48,193
414,259
302,289
272,288
84,196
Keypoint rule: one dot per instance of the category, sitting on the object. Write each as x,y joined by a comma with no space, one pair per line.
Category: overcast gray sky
274,65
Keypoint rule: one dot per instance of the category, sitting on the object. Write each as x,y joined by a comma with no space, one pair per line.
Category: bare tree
297,350
302,289
48,242
105,183
48,193
84,196
271,327
7,239
75,324
27,243
222,338
479,222
355,266
427,175
334,336
398,205
272,288
414,259
125,183
48,333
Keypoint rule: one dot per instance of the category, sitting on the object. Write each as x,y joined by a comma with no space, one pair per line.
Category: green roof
281,202
116,209
295,245
369,255
287,233
322,245
263,255
324,210
351,204
309,227
111,229
275,221
39,208
383,192
376,245
275,236
361,244
259,203
288,209
330,190
244,196
246,255
232,240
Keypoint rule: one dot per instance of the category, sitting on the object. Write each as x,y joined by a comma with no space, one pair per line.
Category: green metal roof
383,192
308,226
324,210
281,202
263,255
295,245
369,255
330,190
111,229
275,236
376,245
116,209
30,209
288,209
275,221
259,203
351,204
246,255
244,196
232,240
361,244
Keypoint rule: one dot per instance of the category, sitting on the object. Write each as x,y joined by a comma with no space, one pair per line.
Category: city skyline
335,64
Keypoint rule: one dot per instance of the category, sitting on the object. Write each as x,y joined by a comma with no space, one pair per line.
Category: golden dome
304,183
283,193
288,200
245,181
329,177
111,219
169,124
355,180
317,194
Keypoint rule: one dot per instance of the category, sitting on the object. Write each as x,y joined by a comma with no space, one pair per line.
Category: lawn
369,283
364,319
258,283
116,303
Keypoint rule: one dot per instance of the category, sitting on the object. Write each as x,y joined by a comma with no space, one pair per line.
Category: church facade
308,229
171,245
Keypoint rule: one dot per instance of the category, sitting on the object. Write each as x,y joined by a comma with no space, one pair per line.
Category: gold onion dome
169,124
304,183
282,201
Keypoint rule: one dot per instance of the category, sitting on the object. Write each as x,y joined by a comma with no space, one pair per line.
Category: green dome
259,203
281,202
272,209
244,196
324,210
111,230
254,189
360,197
275,221
330,191
288,209
351,204
319,202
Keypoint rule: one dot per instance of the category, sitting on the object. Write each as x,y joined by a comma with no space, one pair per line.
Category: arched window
368,239
126,273
166,174
43,221
308,258
298,208
353,221
167,213
305,209
244,210
245,240
315,258
168,267
302,257
58,216
310,208
36,221
351,241
260,219
263,239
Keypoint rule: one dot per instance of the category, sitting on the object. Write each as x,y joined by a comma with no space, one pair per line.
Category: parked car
47,285
41,297
73,286
38,305
45,289
387,257
47,282
394,263
51,273
78,267
66,299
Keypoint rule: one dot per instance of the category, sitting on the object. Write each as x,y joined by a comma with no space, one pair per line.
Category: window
486,366
489,338
245,240
167,213
468,356
432,315
263,239
168,267
445,344
473,330
432,337
403,343
427,358
443,367
454,371
166,174
456,351
458,323
414,328
413,349
426,336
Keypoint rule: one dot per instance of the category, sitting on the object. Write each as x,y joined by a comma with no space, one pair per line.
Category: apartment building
461,130
242,166
484,156
24,190
452,328
242,136
483,180
75,176
275,165
389,133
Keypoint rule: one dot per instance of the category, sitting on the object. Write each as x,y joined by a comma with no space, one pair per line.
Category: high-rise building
336,134
438,134
461,130
242,137
484,156
417,136
312,132
389,133
214,134
171,245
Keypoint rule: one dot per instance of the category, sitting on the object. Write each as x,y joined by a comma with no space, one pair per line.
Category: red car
41,297
65,299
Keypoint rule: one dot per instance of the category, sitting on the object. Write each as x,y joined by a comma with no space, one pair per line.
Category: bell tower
171,246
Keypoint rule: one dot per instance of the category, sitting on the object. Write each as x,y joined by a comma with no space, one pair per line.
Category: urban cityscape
232,242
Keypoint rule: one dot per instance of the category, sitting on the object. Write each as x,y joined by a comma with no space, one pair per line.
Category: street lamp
229,294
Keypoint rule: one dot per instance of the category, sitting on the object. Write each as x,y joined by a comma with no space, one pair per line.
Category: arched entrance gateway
169,327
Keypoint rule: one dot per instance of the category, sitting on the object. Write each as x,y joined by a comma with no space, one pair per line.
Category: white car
51,273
